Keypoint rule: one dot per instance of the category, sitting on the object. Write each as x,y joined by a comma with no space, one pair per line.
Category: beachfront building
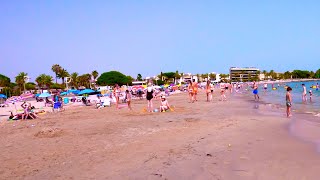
188,76
244,74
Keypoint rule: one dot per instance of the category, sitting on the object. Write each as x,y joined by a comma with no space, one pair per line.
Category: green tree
317,74
139,77
63,73
44,81
21,80
57,86
4,81
112,78
84,80
212,76
74,80
30,86
56,68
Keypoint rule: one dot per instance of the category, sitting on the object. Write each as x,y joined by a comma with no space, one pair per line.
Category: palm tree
63,74
74,79
212,76
56,68
176,76
44,80
95,74
21,80
84,80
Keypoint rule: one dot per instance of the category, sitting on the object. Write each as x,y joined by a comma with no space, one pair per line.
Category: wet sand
236,139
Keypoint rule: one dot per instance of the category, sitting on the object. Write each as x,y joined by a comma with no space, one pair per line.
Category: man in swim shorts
255,91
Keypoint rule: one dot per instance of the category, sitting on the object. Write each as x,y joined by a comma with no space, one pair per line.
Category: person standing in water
255,91
317,87
304,93
310,94
265,87
149,97
288,101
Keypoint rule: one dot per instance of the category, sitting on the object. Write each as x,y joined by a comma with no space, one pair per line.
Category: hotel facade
244,74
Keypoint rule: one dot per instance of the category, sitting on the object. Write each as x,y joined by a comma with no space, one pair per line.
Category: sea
277,96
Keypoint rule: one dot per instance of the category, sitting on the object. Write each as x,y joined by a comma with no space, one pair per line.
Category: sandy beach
236,139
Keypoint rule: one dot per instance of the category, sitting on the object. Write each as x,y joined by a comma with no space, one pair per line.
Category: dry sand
218,140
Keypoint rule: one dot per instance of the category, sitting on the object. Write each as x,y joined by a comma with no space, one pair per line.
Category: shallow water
278,96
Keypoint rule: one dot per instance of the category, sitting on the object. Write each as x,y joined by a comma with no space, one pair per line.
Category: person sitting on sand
289,101
25,108
164,104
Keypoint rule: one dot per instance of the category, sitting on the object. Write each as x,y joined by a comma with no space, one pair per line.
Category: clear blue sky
151,36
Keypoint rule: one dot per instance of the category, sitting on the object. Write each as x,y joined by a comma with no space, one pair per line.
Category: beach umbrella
44,95
13,99
86,91
64,93
3,96
36,95
76,92
26,95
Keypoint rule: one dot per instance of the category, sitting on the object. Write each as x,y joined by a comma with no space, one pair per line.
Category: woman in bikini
190,91
116,93
149,97
164,104
208,91
195,90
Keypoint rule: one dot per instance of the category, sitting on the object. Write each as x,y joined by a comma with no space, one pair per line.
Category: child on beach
310,94
288,101
164,104
128,98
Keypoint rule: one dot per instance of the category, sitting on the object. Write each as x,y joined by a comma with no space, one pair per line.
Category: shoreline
197,141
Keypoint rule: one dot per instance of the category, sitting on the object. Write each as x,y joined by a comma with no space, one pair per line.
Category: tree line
90,80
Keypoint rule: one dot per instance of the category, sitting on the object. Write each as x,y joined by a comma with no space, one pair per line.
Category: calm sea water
278,96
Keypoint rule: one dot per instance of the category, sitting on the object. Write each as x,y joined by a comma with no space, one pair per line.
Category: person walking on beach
208,91
195,90
128,99
149,96
304,93
116,93
255,91
222,92
288,101
190,91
